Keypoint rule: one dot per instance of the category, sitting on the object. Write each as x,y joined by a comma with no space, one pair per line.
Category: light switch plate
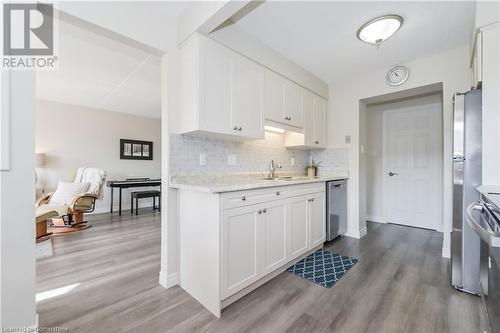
347,139
203,159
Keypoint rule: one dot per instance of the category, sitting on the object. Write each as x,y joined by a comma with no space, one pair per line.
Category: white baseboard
363,232
446,252
168,281
34,327
373,218
357,234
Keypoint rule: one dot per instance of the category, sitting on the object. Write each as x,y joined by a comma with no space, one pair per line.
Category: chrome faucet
272,168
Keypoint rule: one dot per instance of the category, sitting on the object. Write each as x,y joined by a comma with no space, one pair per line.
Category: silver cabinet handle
235,128
277,192
259,211
239,128
243,198
264,210
391,174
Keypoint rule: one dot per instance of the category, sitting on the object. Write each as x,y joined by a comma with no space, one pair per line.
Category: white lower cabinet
233,242
317,219
240,248
297,227
274,236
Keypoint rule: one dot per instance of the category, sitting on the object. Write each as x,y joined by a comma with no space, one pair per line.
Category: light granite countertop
231,183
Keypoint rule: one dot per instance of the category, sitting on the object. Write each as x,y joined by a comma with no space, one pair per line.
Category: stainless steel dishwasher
336,209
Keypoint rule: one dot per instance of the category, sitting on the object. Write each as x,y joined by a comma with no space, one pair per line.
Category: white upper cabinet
227,94
221,91
314,132
282,101
293,107
215,87
274,101
247,101
319,121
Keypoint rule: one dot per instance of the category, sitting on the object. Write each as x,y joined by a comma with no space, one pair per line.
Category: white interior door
412,156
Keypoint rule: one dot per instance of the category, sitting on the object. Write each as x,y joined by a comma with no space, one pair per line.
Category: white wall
17,220
450,67
73,136
373,150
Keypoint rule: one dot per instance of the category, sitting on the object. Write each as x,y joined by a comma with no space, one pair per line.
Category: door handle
391,174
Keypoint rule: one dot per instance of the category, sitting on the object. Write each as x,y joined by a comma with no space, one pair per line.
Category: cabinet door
293,108
274,97
308,115
215,87
297,228
319,122
247,106
317,219
273,236
240,249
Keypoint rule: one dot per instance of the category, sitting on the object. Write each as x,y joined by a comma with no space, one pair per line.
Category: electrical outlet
347,139
232,160
292,161
203,159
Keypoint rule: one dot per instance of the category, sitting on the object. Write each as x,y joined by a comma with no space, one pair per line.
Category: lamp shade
40,160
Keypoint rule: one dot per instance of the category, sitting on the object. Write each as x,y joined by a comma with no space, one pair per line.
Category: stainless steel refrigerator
467,175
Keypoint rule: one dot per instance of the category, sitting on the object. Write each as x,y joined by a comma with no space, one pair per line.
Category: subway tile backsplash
234,157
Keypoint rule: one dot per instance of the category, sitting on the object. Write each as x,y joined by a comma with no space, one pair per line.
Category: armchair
71,212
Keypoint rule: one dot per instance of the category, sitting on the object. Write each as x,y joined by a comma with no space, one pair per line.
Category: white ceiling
321,35
98,72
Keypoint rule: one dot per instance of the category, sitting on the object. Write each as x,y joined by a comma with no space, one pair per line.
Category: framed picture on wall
136,149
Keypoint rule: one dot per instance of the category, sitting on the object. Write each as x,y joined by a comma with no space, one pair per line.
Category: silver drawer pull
239,128
278,193
243,198
264,210
235,128
259,211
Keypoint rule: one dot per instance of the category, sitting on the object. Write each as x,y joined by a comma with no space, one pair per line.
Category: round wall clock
397,75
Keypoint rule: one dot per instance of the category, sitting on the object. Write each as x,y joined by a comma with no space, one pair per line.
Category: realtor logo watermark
28,36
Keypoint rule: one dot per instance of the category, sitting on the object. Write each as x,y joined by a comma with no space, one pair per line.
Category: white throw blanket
94,176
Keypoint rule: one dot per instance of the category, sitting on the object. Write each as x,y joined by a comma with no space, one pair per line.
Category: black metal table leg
131,205
120,203
136,205
112,190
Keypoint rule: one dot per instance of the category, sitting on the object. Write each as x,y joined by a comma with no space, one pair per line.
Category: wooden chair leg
78,217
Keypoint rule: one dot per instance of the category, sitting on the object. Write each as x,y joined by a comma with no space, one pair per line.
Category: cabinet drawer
306,189
251,197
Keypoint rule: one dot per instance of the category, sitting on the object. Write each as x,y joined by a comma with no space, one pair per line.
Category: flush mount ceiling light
379,29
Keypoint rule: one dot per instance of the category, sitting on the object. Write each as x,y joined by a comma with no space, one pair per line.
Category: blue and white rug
323,267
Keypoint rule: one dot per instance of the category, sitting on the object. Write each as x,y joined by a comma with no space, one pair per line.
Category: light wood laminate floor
400,284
